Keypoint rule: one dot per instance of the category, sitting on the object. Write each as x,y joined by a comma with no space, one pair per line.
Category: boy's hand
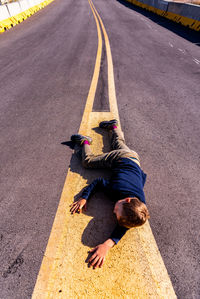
78,205
99,254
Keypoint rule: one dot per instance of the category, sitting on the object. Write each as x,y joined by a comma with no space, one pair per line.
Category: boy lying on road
125,186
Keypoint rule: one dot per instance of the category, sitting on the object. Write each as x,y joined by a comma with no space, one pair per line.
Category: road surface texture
46,67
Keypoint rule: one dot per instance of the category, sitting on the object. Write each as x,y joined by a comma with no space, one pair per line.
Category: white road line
148,25
196,61
181,50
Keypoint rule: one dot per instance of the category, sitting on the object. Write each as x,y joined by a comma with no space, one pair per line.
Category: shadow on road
99,207
185,32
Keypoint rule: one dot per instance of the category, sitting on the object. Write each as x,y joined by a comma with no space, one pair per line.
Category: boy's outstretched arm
99,253
78,205
98,184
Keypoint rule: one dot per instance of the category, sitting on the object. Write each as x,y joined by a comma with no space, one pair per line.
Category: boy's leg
89,160
116,134
117,139
118,142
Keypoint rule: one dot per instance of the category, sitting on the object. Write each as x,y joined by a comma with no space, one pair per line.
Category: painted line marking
63,273
93,86
171,45
148,25
181,50
111,81
196,61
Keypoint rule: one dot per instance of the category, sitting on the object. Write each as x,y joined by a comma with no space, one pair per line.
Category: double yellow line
134,268
111,82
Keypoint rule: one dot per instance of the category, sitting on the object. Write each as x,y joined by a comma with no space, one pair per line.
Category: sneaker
79,139
108,124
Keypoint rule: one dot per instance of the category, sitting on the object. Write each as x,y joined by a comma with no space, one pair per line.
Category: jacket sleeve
98,184
118,233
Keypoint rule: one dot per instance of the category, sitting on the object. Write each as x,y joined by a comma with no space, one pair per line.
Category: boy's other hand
99,254
78,206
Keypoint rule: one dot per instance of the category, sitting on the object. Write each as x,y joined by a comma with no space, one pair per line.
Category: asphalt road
46,68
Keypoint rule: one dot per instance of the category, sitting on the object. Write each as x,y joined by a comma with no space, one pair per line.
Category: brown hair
135,213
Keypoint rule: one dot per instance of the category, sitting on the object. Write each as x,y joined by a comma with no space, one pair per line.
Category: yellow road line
93,86
111,81
134,268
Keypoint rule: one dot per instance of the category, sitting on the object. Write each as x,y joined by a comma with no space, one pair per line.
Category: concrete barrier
17,15
35,2
183,13
186,10
4,13
13,13
162,5
14,8
6,21
24,5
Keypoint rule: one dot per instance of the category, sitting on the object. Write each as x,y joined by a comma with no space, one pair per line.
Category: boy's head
131,212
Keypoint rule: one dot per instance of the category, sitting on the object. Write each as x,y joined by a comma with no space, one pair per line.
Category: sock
114,127
86,142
